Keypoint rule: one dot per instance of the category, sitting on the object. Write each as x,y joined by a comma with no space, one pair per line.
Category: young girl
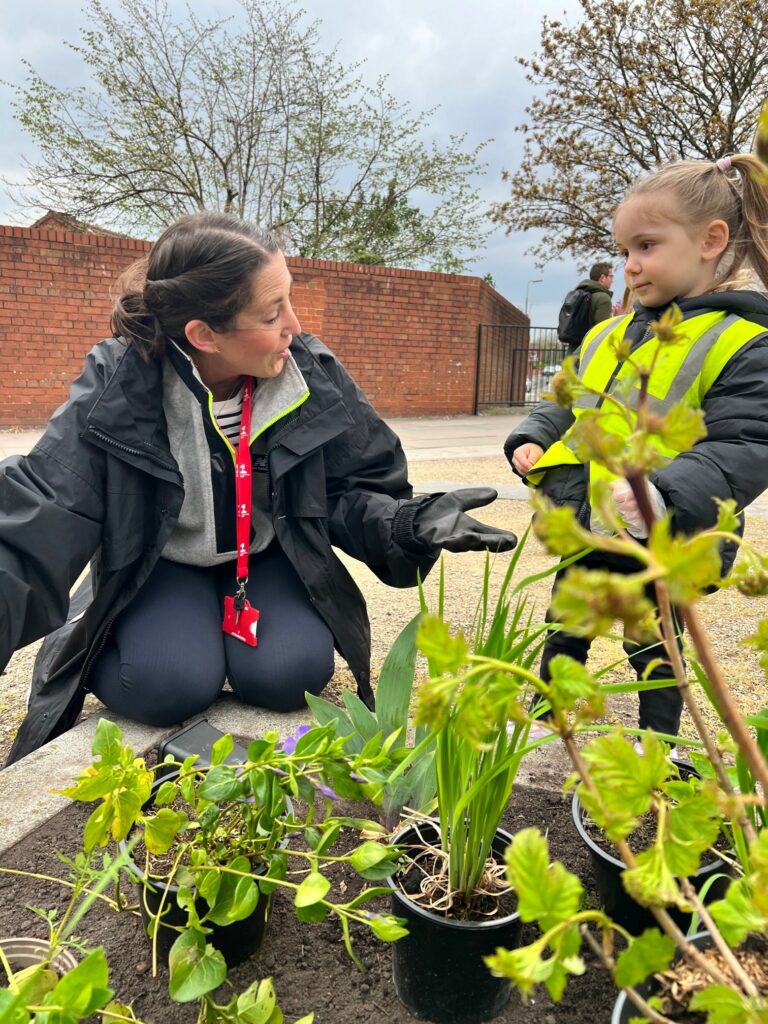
693,233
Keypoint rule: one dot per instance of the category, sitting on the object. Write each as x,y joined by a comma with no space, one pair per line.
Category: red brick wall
408,337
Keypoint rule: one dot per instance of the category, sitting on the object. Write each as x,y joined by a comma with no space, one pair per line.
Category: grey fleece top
193,541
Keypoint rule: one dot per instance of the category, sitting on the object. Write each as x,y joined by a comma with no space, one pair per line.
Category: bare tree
633,84
253,119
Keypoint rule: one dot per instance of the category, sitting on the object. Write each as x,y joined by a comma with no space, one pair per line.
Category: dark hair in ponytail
200,268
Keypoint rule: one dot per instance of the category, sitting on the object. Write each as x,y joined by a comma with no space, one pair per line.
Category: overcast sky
455,53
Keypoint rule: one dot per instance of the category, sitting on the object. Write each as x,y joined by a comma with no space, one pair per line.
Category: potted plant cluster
617,784
213,841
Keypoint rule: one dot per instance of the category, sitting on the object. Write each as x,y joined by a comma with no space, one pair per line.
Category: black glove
440,522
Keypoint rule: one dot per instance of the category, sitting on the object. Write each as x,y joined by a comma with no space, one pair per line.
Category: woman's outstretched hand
441,522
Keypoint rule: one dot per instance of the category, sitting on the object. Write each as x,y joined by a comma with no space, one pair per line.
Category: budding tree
632,84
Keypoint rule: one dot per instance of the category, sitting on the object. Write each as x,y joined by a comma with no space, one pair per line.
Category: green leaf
221,749
395,685
195,968
368,854
363,720
161,830
651,882
691,828
258,1003
446,653
312,889
237,896
221,784
12,1009
570,682
387,928
625,782
650,952
166,793
107,741
736,914
680,428
35,982
546,893
324,713
83,989
724,1005
524,966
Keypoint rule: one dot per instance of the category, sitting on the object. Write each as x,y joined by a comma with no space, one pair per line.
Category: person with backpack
588,304
692,234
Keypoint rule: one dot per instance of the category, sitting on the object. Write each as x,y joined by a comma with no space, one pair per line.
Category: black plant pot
624,1009
617,902
438,966
236,942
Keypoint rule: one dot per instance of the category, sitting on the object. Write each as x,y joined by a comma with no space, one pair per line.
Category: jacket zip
152,456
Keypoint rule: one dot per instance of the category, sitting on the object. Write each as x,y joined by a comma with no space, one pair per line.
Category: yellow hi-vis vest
684,371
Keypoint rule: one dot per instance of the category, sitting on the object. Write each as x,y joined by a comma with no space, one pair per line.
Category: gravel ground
728,616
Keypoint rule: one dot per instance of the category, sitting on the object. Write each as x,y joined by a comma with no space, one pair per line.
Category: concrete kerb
26,797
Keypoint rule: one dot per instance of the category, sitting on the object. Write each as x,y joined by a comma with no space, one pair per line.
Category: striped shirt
228,415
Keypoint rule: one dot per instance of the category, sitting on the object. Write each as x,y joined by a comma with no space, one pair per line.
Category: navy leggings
167,656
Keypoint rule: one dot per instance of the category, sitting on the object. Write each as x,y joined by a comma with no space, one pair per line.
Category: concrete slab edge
26,797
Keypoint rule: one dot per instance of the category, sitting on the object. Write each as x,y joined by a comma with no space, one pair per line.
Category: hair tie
724,164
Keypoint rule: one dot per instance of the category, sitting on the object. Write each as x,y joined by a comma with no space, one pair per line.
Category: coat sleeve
51,513
732,460
545,425
370,501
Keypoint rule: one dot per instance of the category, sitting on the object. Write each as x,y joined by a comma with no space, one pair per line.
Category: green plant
37,993
475,707
388,730
225,829
616,783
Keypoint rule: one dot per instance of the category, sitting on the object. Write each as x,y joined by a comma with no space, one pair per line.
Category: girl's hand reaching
526,456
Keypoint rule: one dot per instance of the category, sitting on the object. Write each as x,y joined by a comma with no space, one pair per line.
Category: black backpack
575,319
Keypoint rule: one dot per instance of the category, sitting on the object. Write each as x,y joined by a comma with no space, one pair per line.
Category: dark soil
310,967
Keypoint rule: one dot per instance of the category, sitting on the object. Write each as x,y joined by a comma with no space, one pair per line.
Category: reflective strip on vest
689,369
589,349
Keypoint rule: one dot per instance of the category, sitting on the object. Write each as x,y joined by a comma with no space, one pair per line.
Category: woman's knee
280,683
159,689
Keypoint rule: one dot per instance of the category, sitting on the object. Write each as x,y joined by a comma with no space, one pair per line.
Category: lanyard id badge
241,620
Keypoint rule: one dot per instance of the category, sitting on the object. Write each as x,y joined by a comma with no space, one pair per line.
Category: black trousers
660,710
167,657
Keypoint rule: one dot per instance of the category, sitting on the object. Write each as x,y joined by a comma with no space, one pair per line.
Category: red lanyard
244,486
240,618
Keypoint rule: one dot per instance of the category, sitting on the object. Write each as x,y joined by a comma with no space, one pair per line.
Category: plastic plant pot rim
138,876
428,915
36,951
699,939
578,811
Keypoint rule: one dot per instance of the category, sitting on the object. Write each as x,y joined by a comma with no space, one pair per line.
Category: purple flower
331,794
289,744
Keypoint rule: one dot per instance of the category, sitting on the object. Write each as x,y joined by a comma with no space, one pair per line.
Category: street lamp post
535,280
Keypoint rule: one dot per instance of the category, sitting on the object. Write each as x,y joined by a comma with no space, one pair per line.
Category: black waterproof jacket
730,462
102,485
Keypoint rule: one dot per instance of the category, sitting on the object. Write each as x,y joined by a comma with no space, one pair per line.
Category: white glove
626,506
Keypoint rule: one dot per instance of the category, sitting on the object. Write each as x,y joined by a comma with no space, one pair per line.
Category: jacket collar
128,420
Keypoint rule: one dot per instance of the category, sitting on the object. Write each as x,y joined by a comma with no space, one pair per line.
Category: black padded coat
102,486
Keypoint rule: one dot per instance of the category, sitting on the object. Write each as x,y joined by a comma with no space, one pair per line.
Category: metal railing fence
515,364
